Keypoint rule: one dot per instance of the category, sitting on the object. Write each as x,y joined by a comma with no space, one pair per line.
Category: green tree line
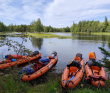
91,26
37,26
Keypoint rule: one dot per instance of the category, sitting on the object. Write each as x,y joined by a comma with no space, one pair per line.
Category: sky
56,13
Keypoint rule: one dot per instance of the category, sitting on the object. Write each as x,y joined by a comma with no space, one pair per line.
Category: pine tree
105,60
105,23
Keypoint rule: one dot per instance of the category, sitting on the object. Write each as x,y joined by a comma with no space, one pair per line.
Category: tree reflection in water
37,42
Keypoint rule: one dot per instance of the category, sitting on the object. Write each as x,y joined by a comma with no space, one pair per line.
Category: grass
47,83
88,90
36,35
43,35
101,33
95,33
9,85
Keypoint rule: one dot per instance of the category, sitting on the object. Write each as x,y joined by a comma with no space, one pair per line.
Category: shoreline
48,82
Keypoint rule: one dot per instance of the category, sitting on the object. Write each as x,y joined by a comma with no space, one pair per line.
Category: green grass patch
88,90
94,33
47,83
43,35
52,84
9,85
101,33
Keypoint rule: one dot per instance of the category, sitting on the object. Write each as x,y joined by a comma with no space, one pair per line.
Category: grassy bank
101,33
44,35
35,35
94,33
47,83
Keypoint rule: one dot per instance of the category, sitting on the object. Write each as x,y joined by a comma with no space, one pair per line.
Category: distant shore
48,35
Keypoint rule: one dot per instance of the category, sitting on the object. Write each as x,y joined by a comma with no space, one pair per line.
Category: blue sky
57,13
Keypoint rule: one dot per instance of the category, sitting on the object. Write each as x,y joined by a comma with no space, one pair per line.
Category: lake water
65,48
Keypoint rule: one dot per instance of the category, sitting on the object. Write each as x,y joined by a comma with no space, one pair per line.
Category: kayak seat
95,70
72,71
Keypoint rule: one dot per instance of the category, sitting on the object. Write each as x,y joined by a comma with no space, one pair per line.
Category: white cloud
57,13
75,10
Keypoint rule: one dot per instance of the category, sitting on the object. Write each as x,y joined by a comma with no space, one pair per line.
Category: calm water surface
66,48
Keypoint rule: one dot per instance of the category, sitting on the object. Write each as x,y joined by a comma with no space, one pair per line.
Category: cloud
75,10
57,13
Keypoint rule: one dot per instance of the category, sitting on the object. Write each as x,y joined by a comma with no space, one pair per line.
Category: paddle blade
95,77
104,78
88,78
72,78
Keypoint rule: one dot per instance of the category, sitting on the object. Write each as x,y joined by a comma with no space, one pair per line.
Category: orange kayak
95,73
73,73
18,61
40,71
11,58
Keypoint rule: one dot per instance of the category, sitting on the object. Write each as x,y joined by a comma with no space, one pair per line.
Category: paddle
91,76
95,77
104,78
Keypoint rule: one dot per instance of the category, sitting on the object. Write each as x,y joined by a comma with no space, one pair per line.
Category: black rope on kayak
28,76
85,64
72,82
67,84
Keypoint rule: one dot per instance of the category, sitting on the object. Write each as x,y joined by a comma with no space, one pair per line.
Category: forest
37,26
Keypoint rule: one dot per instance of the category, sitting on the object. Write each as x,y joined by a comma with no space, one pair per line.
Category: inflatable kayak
39,68
95,72
12,60
73,73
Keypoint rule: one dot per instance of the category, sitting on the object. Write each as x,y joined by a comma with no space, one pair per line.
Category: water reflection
62,34
96,38
91,37
2,38
37,42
